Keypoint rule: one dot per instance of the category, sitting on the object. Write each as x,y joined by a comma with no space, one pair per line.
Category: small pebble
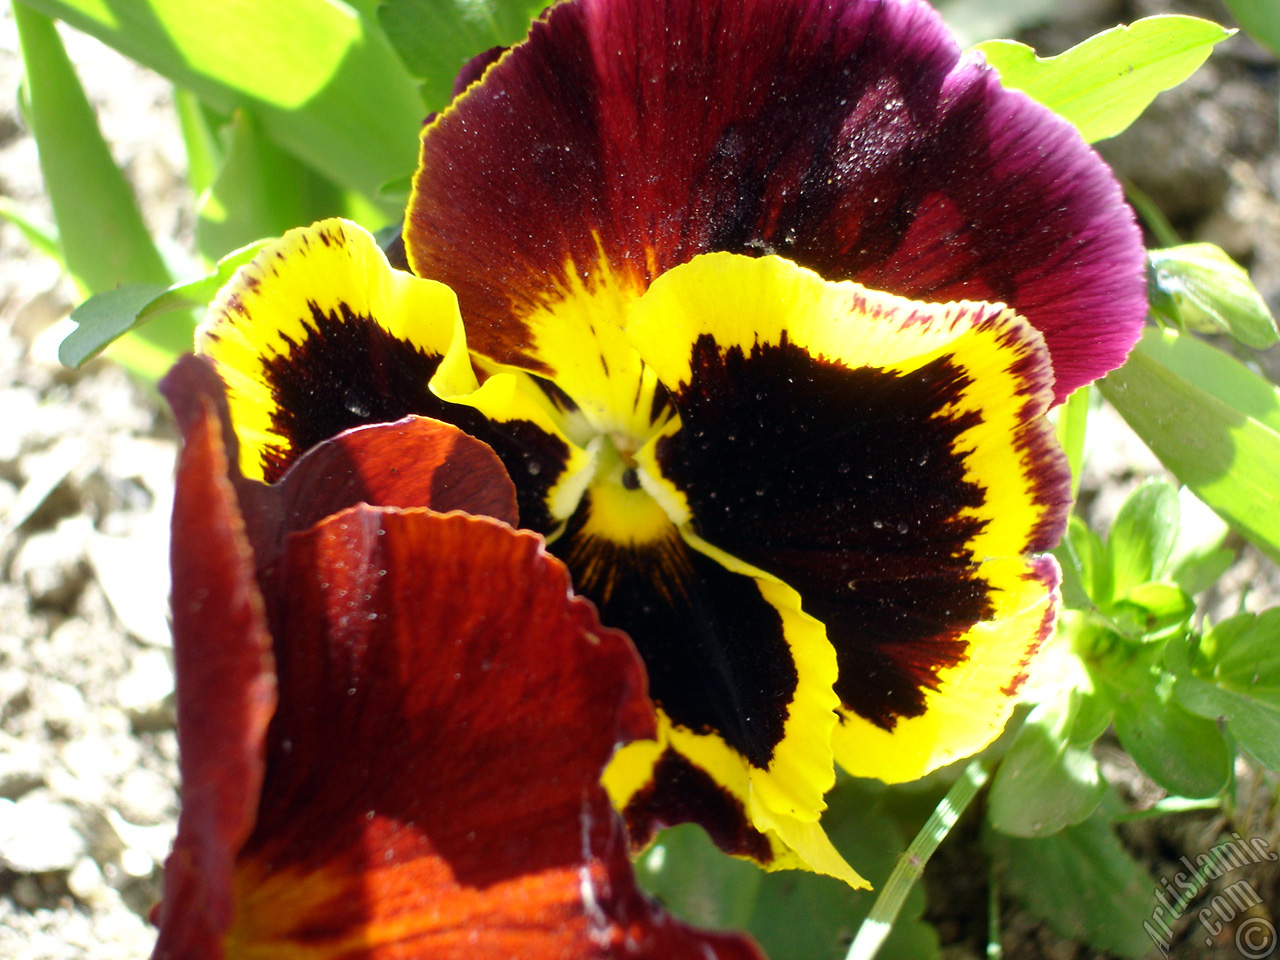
145,692
22,765
38,834
86,882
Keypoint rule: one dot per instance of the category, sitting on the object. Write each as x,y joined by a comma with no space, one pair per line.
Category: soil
87,745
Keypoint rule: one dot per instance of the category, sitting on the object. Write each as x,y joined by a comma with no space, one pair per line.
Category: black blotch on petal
842,482
679,792
714,648
346,372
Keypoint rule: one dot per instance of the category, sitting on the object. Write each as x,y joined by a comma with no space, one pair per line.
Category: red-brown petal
446,707
226,693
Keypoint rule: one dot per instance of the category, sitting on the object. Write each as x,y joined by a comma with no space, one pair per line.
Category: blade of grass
884,911
204,152
41,236
1073,423
103,239
995,950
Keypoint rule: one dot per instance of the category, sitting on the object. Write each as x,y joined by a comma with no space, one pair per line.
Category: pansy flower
348,788
761,303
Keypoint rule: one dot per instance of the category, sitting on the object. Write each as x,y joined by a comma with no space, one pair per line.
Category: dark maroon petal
226,693
848,137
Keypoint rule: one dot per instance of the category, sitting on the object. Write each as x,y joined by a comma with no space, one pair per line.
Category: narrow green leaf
1152,217
104,241
1142,537
1073,423
1082,882
1214,424
199,136
435,38
894,894
1212,293
321,76
103,318
1103,84
260,190
803,916
1260,19
1045,782
41,237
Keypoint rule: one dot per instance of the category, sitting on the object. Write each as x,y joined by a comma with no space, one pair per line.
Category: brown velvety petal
226,691
446,708
415,462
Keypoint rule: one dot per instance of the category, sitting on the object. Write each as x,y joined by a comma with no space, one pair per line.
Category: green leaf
1180,751
1260,19
435,38
104,241
1087,573
1142,537
1151,610
1237,676
697,882
103,318
321,76
1214,424
1092,718
1082,882
1045,782
1211,293
1103,84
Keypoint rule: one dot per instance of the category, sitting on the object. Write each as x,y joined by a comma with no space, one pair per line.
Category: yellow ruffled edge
974,699
330,263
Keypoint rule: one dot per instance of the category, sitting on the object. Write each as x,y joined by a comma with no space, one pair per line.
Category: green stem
874,929
994,949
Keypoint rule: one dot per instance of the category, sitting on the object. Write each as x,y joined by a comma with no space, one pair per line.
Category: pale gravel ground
87,749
